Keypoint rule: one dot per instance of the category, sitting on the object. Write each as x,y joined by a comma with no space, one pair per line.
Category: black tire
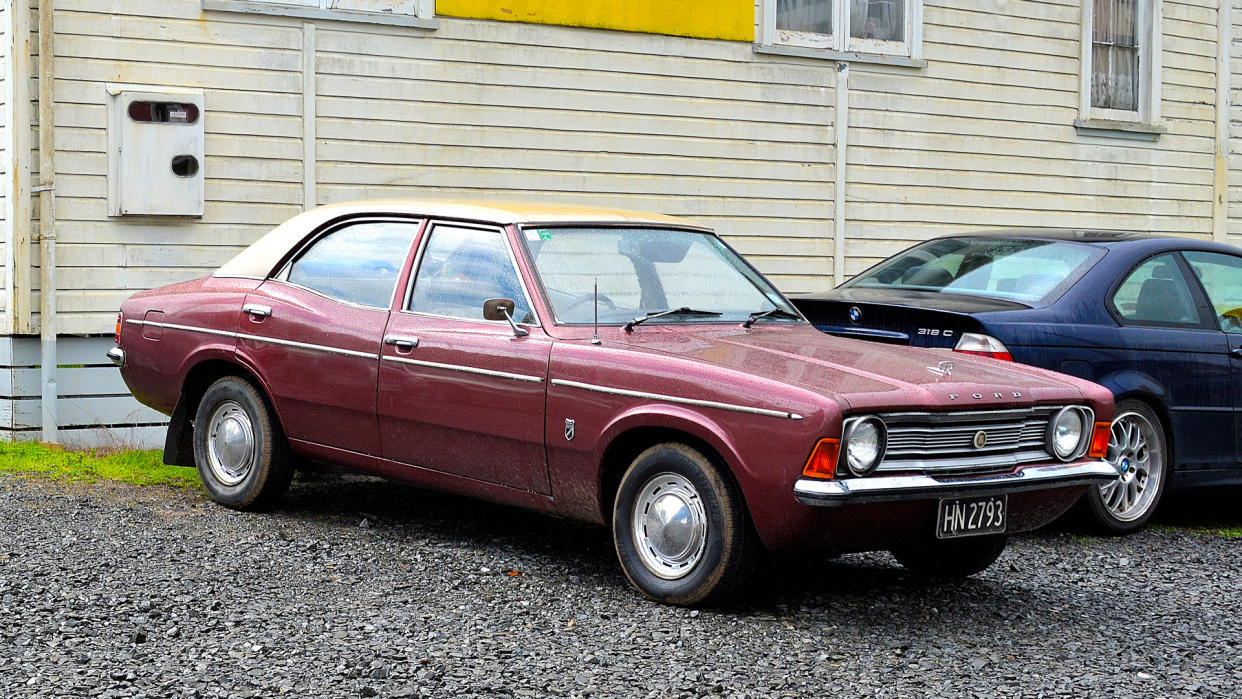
239,471
952,558
677,478
1147,472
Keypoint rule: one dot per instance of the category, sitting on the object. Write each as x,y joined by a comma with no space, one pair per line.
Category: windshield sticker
531,235
544,234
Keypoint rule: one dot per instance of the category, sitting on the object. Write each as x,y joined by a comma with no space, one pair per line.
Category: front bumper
850,491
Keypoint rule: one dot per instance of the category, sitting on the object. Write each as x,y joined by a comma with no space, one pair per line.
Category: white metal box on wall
155,151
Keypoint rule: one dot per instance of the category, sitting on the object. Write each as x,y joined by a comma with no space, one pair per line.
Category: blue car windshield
1028,271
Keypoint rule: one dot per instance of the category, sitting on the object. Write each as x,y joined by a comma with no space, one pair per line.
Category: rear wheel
680,527
239,450
952,558
1138,450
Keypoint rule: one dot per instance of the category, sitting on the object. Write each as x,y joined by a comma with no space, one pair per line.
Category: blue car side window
1221,276
1156,293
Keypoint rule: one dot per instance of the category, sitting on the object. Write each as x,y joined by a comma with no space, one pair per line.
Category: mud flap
179,444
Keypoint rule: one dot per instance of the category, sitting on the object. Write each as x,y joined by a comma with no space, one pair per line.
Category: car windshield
642,271
1029,271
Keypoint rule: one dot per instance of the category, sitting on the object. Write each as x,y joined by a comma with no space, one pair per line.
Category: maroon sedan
614,367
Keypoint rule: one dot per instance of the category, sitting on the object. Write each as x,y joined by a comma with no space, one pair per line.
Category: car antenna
595,340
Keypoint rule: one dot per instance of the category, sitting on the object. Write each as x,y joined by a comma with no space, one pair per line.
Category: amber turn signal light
118,329
823,460
1099,441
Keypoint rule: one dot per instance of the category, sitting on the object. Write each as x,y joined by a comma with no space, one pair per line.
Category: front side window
461,268
357,264
865,26
640,271
1121,59
1156,293
1221,276
1027,271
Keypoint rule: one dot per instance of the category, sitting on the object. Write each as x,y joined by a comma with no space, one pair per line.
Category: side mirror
498,309
502,309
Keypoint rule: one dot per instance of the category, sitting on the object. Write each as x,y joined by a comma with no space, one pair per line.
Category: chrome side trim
466,369
117,356
258,338
677,399
851,491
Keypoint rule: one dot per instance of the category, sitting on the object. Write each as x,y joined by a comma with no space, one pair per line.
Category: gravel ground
359,588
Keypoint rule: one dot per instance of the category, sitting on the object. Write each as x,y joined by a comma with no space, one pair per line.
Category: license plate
971,516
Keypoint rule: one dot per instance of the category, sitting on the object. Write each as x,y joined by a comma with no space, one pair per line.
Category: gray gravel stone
443,596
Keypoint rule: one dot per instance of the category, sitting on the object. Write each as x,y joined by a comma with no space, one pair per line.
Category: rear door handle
401,343
1236,352
257,311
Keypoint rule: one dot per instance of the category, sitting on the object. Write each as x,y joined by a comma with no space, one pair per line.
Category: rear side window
357,264
1221,276
1156,293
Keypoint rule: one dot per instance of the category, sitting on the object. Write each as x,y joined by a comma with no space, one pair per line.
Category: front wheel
1138,450
952,558
240,452
680,527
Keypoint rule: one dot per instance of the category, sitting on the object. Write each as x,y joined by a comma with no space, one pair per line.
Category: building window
407,12
1121,60
888,27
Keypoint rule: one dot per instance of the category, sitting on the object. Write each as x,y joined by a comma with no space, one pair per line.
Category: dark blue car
1157,320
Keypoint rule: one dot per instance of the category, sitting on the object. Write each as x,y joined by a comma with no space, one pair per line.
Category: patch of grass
1226,532
127,466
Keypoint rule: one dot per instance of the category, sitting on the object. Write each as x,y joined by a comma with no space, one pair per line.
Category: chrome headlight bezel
850,430
1086,423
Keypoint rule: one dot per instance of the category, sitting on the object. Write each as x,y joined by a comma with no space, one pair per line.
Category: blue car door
1167,347
1221,277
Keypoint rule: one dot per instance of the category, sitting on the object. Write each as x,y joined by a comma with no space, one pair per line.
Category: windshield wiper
775,312
683,311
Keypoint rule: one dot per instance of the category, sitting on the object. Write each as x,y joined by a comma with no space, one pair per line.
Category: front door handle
257,311
1236,352
401,343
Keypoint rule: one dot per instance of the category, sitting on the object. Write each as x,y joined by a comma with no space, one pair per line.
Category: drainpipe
47,220
840,144
1220,188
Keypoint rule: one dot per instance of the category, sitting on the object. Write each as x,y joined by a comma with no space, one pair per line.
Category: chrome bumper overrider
850,491
117,355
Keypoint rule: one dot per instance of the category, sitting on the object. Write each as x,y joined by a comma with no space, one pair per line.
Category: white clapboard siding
251,77
984,136
686,127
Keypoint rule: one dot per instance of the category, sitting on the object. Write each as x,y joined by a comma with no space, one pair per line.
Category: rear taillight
983,346
117,337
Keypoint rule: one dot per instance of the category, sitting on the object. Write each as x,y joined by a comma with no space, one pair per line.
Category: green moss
129,466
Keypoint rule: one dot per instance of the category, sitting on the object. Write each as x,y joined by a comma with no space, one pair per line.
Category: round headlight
864,445
1067,432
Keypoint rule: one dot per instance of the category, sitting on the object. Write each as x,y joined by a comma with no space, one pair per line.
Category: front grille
944,443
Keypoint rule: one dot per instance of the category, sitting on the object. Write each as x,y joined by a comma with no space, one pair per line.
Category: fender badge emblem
569,430
942,369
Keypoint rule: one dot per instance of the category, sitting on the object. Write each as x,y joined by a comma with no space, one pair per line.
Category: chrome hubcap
670,526
231,448
1134,448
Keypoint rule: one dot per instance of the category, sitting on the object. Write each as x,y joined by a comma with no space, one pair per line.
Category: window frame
425,240
423,17
281,274
841,45
1149,31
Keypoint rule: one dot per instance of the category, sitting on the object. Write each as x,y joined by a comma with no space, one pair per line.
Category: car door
1221,277
1169,346
313,331
458,393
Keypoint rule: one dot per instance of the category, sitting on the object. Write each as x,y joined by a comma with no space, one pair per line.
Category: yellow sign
703,19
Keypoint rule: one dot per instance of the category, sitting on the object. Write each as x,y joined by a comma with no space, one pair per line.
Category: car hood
863,375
